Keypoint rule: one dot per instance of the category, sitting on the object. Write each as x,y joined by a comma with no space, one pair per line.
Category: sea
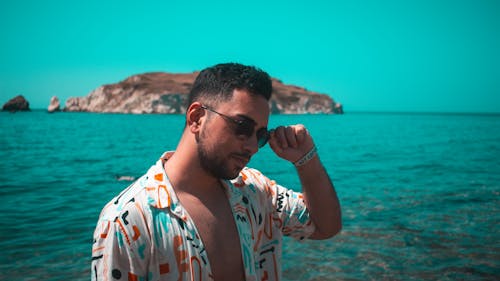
420,192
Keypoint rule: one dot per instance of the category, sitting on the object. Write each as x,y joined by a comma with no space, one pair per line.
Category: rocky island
18,103
160,92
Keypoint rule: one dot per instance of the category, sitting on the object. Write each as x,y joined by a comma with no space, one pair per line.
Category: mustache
246,156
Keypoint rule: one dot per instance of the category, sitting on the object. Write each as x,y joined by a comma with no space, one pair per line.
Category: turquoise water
420,193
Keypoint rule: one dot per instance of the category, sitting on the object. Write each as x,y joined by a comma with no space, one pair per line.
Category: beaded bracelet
308,156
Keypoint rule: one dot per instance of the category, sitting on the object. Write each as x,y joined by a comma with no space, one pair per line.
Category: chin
234,173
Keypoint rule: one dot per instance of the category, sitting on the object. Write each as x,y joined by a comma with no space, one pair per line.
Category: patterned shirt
145,233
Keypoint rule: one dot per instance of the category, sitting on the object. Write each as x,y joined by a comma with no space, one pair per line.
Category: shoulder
253,180
123,202
150,190
250,176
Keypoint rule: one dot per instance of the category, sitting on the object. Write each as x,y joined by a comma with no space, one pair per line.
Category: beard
214,162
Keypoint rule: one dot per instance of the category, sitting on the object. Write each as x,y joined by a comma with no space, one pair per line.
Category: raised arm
295,144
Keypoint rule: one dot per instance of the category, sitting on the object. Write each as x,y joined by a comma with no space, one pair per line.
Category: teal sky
426,56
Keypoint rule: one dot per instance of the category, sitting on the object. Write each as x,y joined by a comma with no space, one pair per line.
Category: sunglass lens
245,128
262,137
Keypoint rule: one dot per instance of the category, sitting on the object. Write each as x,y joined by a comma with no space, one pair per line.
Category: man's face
221,151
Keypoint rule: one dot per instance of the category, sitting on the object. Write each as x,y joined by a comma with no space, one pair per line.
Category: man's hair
216,84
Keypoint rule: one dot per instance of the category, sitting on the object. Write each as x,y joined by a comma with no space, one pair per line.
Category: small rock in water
124,178
55,105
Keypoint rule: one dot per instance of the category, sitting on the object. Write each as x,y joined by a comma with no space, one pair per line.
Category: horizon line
416,112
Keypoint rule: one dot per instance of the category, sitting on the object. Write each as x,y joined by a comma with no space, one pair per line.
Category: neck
185,172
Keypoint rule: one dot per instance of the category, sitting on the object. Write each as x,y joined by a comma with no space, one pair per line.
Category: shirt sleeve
288,207
290,210
117,253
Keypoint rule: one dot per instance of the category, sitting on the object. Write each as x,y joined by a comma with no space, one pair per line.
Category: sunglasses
245,127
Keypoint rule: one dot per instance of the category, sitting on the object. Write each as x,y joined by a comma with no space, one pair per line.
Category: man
199,213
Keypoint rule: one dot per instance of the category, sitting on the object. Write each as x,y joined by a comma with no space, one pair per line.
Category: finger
291,136
274,142
280,136
301,133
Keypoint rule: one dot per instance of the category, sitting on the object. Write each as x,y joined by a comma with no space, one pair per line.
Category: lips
242,159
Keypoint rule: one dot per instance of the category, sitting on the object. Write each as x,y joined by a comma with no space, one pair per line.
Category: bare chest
215,223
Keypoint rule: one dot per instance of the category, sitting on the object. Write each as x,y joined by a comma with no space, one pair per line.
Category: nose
251,144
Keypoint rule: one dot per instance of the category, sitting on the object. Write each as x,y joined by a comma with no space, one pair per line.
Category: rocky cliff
160,92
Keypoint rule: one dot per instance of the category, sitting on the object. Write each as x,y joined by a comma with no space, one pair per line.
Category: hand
291,142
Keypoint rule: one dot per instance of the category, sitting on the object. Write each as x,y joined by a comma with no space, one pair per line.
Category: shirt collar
162,194
160,190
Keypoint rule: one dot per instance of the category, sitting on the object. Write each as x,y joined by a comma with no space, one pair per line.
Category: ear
194,116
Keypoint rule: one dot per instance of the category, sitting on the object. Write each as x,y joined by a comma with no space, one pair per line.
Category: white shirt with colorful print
145,234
